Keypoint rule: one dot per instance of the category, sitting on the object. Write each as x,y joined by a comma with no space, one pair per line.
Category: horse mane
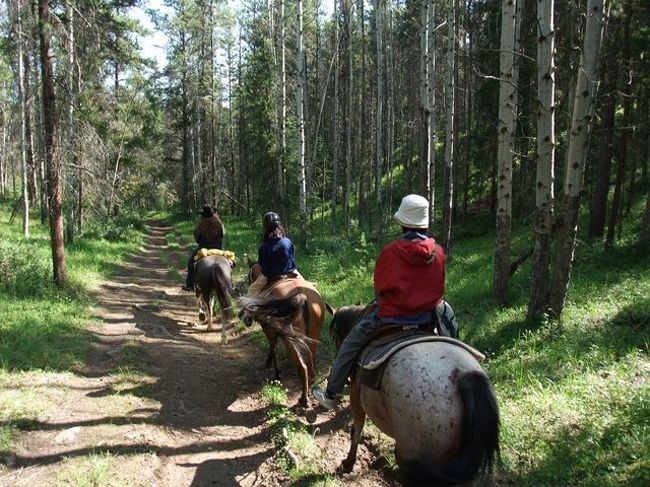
346,317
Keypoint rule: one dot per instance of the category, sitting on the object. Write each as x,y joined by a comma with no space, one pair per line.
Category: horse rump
480,441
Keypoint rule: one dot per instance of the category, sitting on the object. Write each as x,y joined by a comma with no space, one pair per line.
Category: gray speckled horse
436,402
213,276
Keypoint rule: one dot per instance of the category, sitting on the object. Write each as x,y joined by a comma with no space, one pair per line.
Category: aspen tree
586,87
506,127
544,196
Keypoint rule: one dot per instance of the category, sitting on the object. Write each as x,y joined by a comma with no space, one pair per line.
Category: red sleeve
381,271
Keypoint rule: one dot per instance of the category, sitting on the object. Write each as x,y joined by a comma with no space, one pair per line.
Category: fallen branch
523,257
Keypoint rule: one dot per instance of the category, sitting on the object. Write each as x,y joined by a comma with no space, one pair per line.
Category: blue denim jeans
360,335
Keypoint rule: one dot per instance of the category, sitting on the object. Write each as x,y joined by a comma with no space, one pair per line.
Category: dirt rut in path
160,402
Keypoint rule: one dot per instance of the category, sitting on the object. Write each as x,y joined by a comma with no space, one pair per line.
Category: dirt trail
161,402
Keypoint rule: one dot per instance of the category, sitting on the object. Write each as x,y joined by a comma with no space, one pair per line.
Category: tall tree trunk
574,176
469,106
283,110
51,145
644,234
29,136
379,143
20,78
3,151
70,40
600,191
231,125
615,212
362,151
428,103
544,197
300,101
350,119
336,131
506,127
451,137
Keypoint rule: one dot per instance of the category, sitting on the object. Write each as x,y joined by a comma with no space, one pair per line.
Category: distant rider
276,255
208,233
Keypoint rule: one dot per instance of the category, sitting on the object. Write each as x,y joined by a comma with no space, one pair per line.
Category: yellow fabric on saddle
205,252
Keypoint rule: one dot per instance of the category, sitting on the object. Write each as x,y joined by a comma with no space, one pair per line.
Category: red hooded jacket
409,277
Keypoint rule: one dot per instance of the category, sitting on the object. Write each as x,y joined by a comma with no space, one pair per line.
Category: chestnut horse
213,276
437,403
293,310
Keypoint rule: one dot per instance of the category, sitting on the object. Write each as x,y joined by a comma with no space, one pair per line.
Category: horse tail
277,314
264,308
222,286
480,441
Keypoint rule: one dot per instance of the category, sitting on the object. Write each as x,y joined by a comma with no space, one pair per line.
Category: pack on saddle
228,254
397,336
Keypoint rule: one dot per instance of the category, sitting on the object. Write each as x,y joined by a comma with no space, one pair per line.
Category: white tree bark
544,197
428,101
23,113
379,143
350,119
586,88
450,142
300,101
505,128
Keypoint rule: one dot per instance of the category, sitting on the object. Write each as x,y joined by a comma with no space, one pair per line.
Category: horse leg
358,420
226,312
272,358
199,304
302,368
224,322
209,304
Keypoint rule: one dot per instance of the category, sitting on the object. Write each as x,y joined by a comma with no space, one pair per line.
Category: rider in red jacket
409,284
409,276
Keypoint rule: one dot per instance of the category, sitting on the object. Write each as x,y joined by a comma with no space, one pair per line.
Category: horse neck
345,318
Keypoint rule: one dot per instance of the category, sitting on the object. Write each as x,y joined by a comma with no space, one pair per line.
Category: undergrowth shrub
23,271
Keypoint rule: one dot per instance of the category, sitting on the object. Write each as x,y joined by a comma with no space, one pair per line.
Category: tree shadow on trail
241,470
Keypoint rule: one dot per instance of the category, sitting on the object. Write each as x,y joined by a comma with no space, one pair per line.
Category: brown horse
436,401
213,276
293,310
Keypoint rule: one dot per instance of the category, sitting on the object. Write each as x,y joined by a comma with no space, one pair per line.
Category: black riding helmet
271,221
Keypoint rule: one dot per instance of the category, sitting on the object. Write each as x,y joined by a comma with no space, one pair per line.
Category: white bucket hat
413,212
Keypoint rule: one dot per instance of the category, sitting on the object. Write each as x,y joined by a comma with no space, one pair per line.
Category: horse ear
329,308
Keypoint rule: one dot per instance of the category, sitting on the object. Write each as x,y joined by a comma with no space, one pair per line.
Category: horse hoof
345,467
202,316
302,402
311,416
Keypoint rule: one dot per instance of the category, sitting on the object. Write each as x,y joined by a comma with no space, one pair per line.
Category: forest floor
161,402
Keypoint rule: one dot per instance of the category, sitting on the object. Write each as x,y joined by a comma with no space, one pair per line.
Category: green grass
574,395
299,457
5,438
93,470
43,326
